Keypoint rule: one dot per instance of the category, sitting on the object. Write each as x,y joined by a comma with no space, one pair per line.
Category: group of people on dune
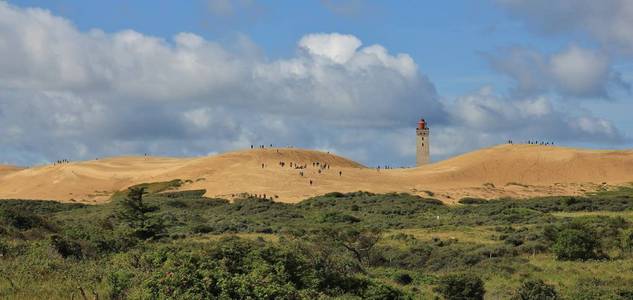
530,142
321,166
61,161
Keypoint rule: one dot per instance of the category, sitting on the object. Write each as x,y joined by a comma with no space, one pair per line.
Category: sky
86,79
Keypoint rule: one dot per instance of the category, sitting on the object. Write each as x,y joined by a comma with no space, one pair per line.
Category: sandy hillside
5,169
506,170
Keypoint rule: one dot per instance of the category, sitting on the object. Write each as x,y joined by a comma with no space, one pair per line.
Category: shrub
117,283
21,219
4,248
336,217
403,278
514,240
590,289
535,290
202,228
461,287
576,244
470,200
334,195
378,291
176,203
625,294
626,241
234,268
496,251
66,248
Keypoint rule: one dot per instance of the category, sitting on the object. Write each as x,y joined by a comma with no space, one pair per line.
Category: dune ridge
504,170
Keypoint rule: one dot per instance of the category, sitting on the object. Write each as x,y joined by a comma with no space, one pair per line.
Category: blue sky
264,72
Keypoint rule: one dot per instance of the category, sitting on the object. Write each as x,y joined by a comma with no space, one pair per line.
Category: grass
627,215
610,275
478,234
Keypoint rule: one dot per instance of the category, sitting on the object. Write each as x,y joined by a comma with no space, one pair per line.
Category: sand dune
505,170
6,169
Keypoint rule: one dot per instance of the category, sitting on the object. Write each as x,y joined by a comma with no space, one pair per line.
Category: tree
535,290
461,287
576,244
359,242
138,215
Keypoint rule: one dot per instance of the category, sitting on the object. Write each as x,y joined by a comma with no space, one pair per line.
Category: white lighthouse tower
422,154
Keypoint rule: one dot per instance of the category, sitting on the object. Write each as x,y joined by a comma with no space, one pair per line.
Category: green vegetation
136,213
152,242
535,289
461,286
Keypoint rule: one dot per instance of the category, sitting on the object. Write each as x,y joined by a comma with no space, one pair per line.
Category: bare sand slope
506,170
6,169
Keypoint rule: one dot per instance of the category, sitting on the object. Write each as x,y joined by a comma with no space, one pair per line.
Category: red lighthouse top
422,124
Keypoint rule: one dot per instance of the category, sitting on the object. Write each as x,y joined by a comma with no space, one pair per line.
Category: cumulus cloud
484,118
488,116
339,48
139,93
607,21
70,94
574,71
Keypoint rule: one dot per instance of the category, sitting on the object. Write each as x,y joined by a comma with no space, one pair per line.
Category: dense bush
379,291
403,278
21,219
38,206
336,217
535,290
471,200
460,287
202,228
66,248
576,244
239,269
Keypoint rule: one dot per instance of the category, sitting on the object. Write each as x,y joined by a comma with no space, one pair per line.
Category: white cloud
337,47
580,71
573,71
85,94
490,117
78,95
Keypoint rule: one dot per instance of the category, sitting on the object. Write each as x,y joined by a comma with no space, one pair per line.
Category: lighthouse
422,155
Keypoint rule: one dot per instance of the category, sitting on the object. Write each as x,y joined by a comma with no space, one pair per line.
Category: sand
6,169
505,170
